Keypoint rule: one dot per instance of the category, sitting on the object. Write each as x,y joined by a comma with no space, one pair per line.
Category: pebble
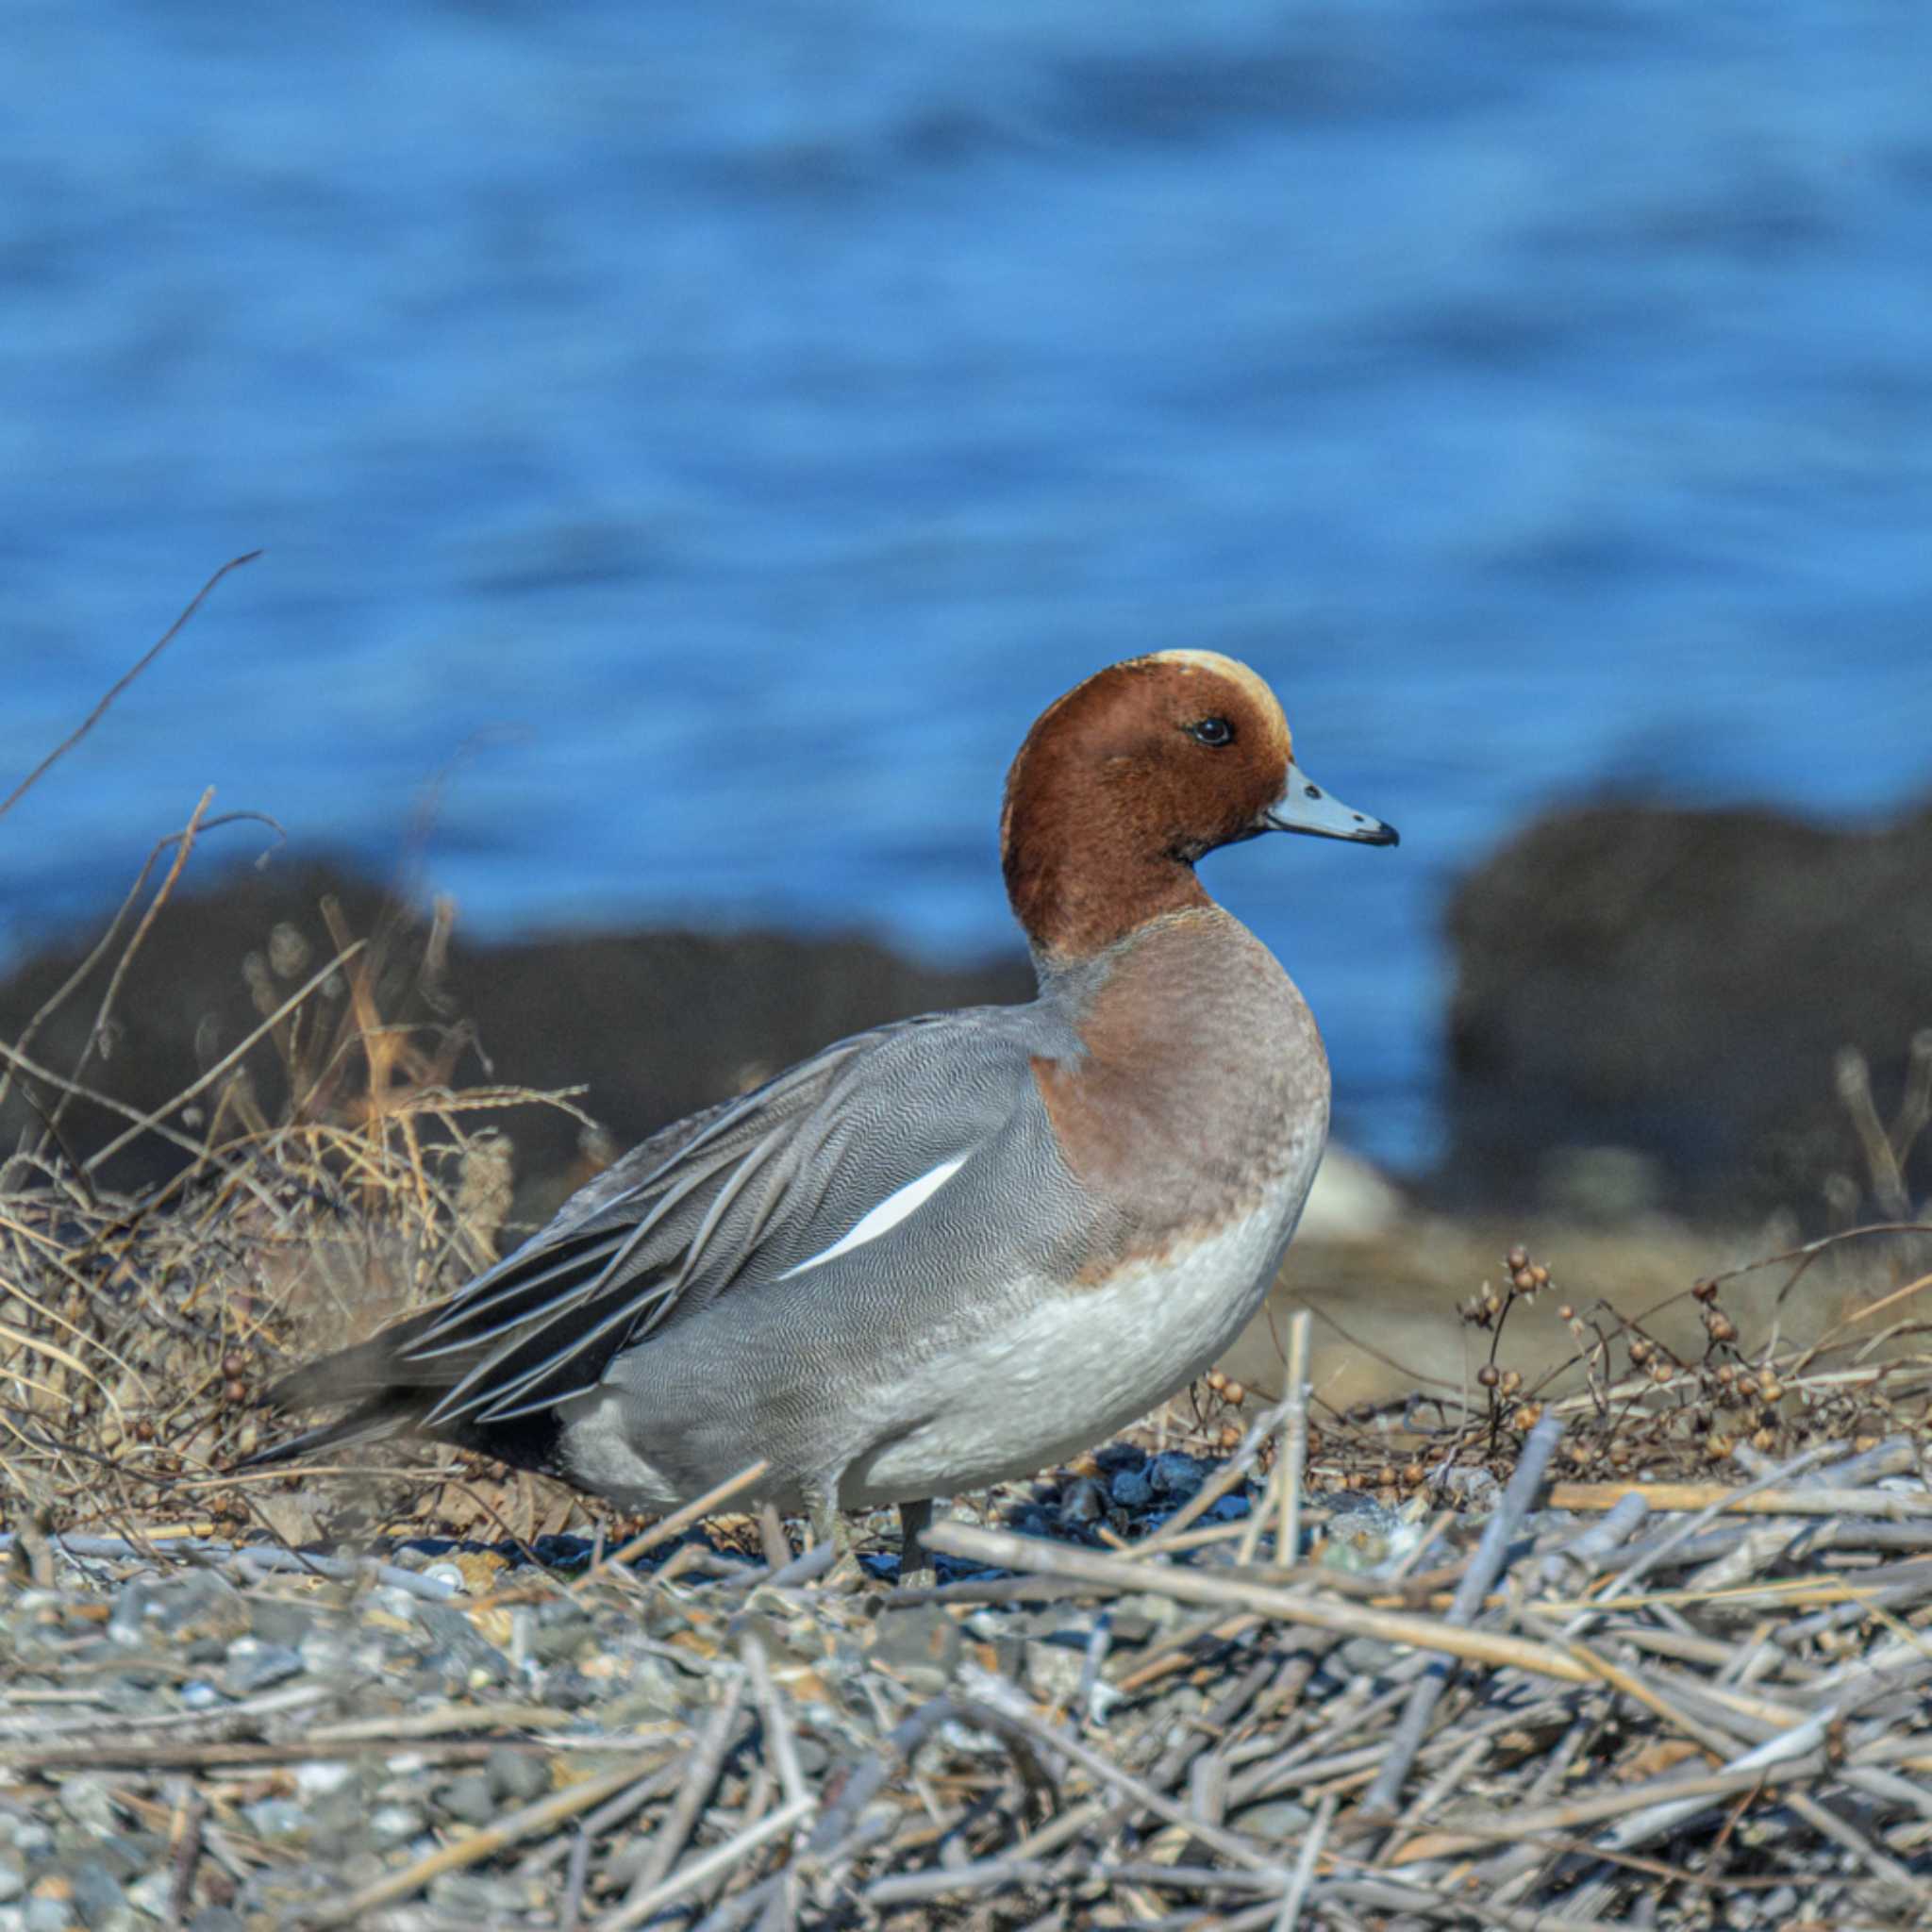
468,1798
920,1646
254,1666
517,1777
464,1652
274,1620
85,1799
394,1825
1272,1821
275,1818
324,1776
99,1903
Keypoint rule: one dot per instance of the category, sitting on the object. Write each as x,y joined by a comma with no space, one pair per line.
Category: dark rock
1083,1501
659,1022
1678,984
1173,1474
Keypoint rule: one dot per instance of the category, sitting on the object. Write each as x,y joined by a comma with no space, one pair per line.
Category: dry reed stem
121,683
1887,1505
1008,1552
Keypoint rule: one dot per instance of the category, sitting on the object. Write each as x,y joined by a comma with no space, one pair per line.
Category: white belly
1076,1367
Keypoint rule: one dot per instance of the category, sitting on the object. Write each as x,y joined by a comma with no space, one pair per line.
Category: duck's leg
915,1564
829,1525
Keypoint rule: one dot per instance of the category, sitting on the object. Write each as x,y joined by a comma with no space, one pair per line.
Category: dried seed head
1565,1313
1487,1375
1235,1392
234,1392
1642,1349
1524,1281
1769,1388
1413,1474
1512,1381
1661,1372
1718,1325
287,951
234,1363
1527,1417
1216,1380
1539,1275
1718,1446
1705,1290
1230,1437
1517,1257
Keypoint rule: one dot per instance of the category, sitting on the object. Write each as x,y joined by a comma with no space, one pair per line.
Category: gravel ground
216,1738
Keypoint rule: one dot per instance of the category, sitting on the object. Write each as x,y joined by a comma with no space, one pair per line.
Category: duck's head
1136,773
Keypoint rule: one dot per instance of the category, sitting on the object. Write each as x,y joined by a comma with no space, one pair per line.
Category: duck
951,1251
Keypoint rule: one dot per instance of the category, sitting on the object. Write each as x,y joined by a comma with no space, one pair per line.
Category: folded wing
770,1187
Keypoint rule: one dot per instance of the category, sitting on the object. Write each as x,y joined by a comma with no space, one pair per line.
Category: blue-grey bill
1303,807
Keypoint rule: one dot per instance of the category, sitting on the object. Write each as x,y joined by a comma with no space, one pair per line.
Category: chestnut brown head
1135,775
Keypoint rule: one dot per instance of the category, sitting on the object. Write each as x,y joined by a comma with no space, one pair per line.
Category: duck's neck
1079,887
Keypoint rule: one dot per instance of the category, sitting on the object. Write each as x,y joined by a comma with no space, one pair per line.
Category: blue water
715,432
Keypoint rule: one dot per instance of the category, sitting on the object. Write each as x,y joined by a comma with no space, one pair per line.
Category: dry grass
136,1332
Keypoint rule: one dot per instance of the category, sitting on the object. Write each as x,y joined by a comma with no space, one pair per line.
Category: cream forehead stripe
1236,672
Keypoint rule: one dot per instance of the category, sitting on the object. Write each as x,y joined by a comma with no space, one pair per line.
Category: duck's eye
1211,731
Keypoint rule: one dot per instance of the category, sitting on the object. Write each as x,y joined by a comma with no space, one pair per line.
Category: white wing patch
886,1215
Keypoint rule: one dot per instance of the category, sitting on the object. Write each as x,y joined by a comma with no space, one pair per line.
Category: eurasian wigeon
957,1249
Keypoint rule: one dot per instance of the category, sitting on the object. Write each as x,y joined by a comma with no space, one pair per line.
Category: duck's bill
1303,807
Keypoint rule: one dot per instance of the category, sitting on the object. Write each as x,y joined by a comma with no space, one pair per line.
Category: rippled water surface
717,431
